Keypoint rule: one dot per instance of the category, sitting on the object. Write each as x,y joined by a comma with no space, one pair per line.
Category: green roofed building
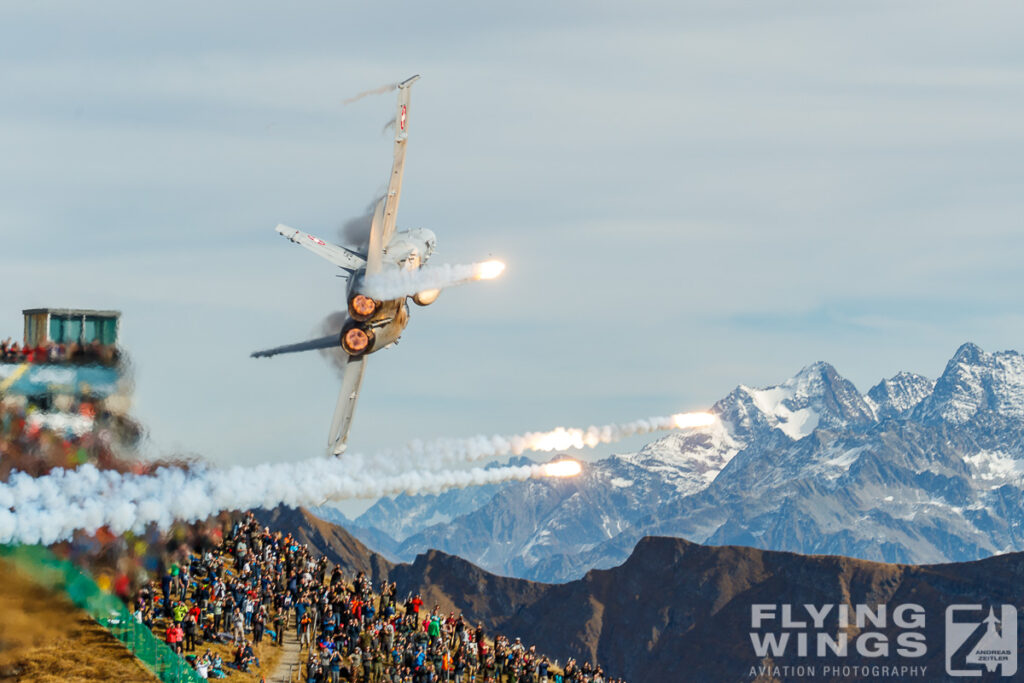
71,352
70,325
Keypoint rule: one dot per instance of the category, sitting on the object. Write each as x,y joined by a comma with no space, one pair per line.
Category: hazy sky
689,196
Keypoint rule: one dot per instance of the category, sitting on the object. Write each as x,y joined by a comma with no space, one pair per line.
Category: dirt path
291,658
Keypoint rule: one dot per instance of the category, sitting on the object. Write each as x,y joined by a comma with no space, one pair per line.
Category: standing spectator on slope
258,622
279,626
189,629
237,626
175,635
416,603
179,611
305,631
218,613
248,607
300,612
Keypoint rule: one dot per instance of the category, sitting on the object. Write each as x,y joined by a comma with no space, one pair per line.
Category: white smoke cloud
394,284
51,508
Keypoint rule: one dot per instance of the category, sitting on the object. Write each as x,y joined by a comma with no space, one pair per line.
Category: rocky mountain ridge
675,610
915,470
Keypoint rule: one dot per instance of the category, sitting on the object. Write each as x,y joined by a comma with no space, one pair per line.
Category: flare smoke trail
51,508
375,91
394,284
442,453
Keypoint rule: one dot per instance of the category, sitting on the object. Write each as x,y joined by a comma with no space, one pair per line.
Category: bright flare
395,283
443,453
561,468
560,439
688,420
488,270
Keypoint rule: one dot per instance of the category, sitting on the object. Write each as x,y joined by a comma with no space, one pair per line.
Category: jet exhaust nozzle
356,339
362,307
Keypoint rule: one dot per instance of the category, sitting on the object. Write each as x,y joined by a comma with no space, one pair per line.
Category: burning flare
397,283
688,420
488,270
561,468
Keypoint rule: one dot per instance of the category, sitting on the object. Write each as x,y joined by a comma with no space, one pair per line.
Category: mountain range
678,611
914,471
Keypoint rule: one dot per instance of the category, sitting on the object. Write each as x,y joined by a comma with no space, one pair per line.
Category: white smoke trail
375,91
51,508
394,284
443,453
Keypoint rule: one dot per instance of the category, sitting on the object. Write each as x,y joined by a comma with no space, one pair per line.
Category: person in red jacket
177,637
174,635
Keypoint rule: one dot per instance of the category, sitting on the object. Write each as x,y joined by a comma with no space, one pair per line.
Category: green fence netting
49,570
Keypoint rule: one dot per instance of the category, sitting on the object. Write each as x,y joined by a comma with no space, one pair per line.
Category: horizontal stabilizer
337,440
311,345
339,256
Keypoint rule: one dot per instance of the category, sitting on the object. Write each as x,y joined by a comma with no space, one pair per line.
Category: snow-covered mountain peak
688,460
975,381
779,405
815,396
917,471
900,394
969,353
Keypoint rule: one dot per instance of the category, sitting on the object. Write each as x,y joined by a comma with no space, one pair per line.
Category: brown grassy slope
45,638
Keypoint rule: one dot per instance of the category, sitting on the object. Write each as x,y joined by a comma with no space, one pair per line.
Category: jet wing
337,440
339,256
320,343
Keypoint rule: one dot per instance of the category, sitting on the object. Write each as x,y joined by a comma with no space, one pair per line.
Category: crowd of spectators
93,353
257,584
231,582
28,445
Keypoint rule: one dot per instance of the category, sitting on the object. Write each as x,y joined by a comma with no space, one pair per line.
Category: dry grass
268,654
45,638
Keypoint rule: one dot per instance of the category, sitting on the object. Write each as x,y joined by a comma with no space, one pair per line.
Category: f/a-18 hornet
371,324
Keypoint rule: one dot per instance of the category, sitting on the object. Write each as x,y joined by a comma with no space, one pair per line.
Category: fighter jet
371,325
